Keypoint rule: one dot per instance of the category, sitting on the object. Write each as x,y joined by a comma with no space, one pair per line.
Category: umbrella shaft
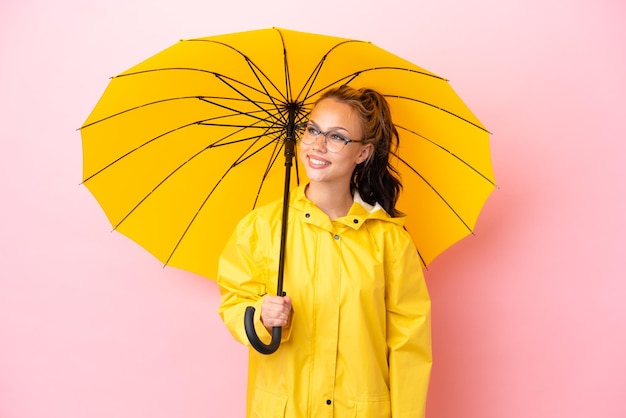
289,154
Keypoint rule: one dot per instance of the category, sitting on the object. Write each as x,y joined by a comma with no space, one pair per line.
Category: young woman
356,317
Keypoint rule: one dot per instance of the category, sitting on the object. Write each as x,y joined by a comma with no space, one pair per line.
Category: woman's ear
366,153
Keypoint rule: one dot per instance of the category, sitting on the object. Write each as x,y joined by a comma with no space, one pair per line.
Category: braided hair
376,180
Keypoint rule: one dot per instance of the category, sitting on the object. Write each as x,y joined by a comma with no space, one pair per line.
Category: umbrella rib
267,128
130,109
238,112
419,254
311,81
253,101
156,102
308,85
219,76
441,109
352,76
452,154
121,157
286,67
239,160
315,72
275,154
216,143
256,70
443,199
256,138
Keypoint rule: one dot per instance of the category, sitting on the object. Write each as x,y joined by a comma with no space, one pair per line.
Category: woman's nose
320,142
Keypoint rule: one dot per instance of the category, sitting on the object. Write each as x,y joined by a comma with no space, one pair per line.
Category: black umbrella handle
255,341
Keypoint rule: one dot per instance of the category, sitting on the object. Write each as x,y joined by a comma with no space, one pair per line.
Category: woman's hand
275,311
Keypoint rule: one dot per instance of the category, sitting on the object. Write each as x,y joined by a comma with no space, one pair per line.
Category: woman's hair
375,179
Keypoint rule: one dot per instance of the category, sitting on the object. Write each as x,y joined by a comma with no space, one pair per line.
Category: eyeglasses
333,140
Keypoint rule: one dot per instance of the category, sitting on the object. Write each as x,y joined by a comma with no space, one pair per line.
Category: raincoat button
328,401
307,215
336,237
356,221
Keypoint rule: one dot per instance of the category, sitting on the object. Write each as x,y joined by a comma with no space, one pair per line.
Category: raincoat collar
359,213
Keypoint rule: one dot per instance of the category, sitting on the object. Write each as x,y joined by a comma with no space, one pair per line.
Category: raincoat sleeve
408,331
243,277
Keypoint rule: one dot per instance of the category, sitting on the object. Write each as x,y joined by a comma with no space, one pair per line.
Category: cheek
301,150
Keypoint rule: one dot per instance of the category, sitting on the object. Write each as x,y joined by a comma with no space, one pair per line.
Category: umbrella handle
254,339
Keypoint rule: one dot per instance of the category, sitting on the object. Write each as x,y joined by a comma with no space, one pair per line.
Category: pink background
529,318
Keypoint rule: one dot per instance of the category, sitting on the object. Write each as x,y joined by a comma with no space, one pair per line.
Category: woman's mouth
317,162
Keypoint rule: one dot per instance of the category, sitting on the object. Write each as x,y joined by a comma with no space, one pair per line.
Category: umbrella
184,144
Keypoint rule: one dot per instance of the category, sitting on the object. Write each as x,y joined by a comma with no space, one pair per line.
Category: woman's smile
315,162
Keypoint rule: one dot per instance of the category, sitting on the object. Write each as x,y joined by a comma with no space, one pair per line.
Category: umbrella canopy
181,146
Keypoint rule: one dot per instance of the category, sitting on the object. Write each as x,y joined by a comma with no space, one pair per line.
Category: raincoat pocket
267,405
372,408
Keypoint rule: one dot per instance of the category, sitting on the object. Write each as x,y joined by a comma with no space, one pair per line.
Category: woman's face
322,165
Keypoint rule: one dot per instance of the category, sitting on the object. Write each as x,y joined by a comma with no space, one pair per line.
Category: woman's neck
332,201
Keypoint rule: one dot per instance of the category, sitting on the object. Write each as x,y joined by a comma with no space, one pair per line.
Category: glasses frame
304,129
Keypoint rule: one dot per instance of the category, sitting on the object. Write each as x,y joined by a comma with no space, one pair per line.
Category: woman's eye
311,130
336,137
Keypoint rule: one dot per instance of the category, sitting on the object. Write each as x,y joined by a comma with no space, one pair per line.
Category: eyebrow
334,128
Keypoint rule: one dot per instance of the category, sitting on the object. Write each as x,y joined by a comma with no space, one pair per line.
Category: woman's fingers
275,311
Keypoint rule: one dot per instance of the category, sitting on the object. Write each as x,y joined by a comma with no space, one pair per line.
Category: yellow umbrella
181,146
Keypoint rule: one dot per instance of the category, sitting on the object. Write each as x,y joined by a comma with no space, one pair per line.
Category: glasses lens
334,142
308,135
